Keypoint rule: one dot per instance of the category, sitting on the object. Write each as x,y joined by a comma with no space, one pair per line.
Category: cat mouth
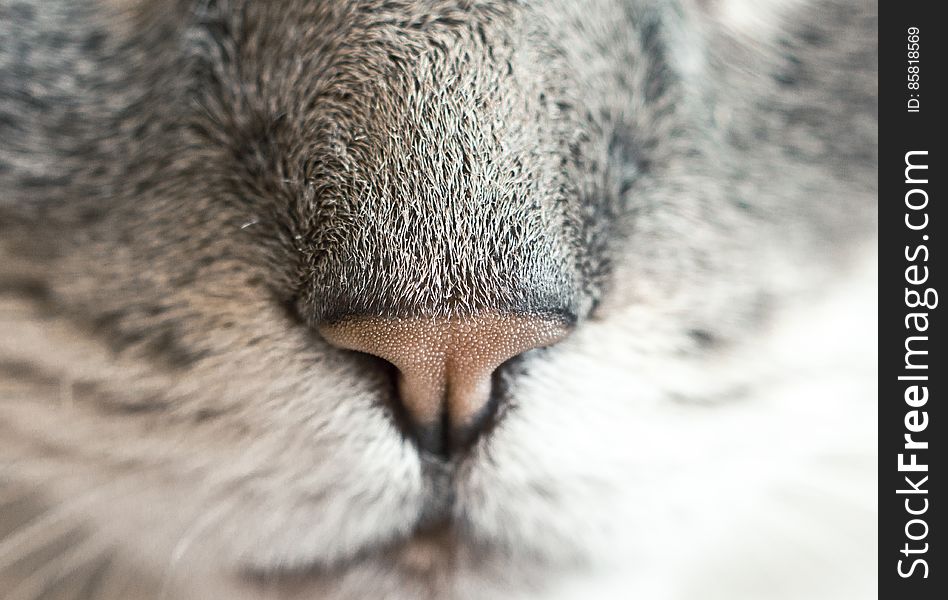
429,546
430,550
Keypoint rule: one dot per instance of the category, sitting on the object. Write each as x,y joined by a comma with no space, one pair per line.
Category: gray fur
186,188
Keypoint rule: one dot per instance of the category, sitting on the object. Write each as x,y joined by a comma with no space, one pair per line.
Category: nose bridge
446,364
466,253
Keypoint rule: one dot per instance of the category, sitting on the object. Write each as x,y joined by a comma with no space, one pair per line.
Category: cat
437,299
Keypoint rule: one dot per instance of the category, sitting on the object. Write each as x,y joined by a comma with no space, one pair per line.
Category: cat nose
445,365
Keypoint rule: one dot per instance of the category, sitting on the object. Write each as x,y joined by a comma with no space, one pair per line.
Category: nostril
462,434
446,366
443,436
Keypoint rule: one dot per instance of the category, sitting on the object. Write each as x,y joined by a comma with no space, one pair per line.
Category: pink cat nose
445,365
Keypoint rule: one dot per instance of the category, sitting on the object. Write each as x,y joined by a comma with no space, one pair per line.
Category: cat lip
424,549
429,543
430,548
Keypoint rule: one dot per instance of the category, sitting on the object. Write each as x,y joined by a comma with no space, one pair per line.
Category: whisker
46,530
52,525
202,523
71,560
